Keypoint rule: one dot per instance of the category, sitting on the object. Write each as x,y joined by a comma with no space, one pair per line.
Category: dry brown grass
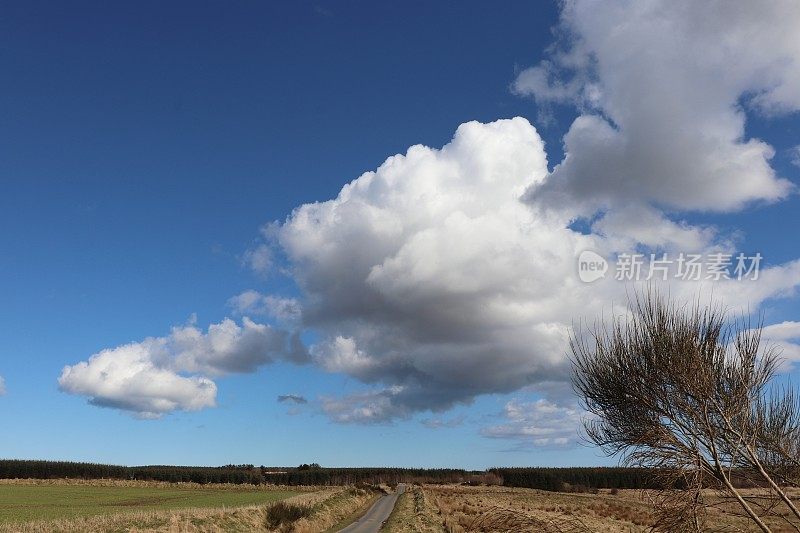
727,511
462,509
414,512
503,509
337,511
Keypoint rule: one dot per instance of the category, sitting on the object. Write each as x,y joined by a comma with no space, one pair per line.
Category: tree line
566,479
553,479
235,474
31,469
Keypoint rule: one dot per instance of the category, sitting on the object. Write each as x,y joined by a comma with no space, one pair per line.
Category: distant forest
578,479
553,479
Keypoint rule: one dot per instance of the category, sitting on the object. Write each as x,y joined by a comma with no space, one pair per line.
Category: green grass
21,503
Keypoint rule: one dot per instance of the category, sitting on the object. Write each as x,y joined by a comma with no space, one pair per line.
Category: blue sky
144,146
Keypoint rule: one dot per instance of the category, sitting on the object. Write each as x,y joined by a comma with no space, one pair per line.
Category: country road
377,514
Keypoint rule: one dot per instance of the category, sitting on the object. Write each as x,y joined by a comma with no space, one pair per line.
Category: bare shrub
684,391
284,514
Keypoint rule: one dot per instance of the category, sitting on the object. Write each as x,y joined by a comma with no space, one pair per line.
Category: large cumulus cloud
429,274
431,280
663,87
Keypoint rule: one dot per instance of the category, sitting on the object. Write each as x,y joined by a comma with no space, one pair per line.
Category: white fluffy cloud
284,310
639,224
663,86
795,156
539,423
164,374
259,259
784,337
431,281
365,408
128,378
429,276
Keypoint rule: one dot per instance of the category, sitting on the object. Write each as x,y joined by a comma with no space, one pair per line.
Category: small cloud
322,11
292,398
794,155
538,424
439,423
259,259
247,302
2,386
284,310
371,407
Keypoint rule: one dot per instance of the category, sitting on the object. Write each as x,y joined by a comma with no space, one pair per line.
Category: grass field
72,506
106,506
22,502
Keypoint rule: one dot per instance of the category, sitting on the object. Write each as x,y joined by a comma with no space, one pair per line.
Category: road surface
377,514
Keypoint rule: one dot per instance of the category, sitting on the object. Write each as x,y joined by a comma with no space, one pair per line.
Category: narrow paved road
377,514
